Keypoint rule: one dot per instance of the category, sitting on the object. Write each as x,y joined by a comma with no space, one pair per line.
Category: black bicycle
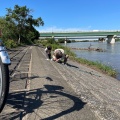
4,75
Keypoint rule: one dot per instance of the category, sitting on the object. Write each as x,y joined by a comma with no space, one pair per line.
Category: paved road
46,90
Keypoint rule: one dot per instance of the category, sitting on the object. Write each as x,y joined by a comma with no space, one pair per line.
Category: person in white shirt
60,56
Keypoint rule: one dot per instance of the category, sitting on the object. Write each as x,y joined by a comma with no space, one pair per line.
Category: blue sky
71,15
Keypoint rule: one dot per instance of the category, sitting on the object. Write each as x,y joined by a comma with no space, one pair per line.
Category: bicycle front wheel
4,84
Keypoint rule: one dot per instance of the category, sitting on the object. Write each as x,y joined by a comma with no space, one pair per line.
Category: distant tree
61,40
51,41
68,41
23,21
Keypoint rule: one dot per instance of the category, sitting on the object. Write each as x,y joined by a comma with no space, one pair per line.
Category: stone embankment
42,89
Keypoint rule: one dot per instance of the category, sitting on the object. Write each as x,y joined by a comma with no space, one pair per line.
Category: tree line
18,26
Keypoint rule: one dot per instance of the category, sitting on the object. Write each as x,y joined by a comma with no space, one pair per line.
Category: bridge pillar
111,39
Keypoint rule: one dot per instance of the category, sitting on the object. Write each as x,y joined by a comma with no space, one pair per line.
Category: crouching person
60,56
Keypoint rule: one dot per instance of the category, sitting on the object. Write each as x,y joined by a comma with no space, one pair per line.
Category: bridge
110,35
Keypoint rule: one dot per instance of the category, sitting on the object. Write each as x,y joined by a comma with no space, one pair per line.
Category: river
110,57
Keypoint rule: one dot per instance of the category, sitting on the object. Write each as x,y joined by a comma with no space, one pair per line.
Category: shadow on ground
40,102
24,76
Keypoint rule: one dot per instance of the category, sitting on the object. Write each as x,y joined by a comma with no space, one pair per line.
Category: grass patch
98,66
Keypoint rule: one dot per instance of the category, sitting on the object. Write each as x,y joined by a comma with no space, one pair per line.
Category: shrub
10,43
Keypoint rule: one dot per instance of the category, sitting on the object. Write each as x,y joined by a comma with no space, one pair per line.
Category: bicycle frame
4,75
4,55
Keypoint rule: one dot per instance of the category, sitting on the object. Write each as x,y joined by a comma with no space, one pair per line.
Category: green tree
21,18
7,29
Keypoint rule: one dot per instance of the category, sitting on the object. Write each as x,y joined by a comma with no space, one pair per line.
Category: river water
110,57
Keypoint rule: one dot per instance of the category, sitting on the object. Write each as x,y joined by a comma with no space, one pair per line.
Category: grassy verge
95,65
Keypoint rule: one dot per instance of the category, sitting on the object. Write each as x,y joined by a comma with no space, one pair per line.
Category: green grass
97,66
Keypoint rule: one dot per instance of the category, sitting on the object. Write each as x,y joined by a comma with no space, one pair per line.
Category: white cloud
55,29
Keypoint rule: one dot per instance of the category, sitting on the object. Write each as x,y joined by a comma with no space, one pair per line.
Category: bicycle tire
4,84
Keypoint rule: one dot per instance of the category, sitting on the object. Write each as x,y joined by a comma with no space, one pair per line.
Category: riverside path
46,90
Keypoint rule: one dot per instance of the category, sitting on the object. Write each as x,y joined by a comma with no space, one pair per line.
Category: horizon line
79,31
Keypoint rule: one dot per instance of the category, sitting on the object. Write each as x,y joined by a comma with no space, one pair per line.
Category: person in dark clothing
48,52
